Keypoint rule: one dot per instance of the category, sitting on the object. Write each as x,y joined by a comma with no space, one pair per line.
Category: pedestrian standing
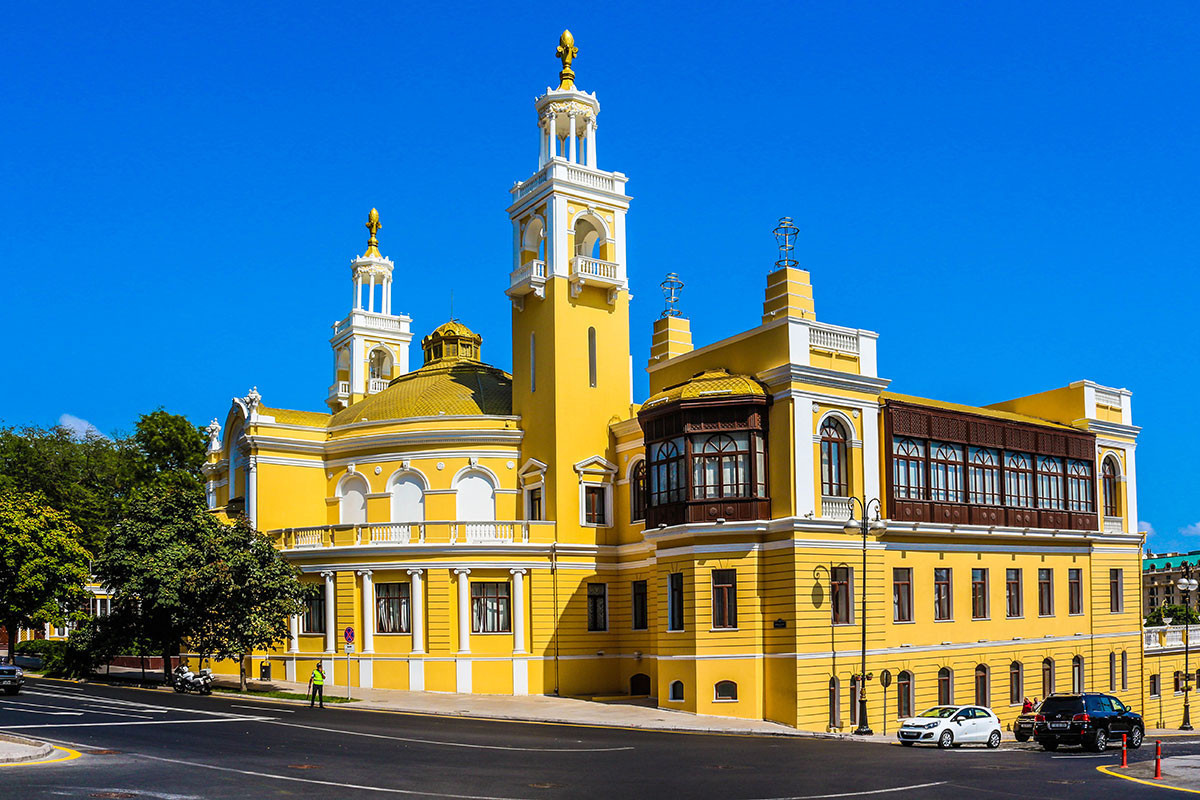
1027,706
316,686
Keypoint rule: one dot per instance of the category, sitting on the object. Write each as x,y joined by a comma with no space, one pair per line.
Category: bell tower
570,295
370,346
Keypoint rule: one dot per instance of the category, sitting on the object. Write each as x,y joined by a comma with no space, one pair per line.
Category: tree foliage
1179,614
43,567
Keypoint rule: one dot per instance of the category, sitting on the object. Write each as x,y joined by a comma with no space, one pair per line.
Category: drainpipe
554,575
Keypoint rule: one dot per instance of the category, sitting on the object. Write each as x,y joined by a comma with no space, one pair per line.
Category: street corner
19,751
1180,773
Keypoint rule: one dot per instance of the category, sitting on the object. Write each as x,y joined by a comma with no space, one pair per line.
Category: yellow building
540,532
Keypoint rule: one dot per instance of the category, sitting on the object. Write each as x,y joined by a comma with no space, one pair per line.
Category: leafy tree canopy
1179,614
43,567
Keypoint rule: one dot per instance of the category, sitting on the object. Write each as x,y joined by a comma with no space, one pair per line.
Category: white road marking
142,722
30,708
1098,755
859,794
268,709
455,744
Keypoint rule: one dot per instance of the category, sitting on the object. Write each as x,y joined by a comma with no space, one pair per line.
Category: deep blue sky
1005,191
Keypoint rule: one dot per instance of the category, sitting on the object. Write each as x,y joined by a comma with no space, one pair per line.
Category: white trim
390,483
633,462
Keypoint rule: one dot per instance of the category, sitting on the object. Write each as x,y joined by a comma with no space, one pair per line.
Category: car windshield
938,711
1056,705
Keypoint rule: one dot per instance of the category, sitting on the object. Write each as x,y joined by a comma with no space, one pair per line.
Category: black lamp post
865,526
1187,584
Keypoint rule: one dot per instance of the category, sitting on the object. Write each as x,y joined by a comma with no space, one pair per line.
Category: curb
40,749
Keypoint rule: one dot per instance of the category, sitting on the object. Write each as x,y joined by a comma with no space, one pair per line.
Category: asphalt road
156,744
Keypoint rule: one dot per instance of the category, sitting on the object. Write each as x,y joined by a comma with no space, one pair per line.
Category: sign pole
349,636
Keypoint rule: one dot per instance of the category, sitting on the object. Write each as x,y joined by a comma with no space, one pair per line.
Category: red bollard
1158,760
1124,752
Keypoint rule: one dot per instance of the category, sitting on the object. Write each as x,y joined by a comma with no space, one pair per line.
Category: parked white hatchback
951,726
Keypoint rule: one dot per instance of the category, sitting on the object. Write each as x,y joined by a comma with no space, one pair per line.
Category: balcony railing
376,385
1168,637
372,321
594,268
835,508
459,532
529,278
838,341
1114,525
578,174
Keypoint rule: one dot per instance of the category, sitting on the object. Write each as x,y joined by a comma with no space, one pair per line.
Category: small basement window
676,692
726,691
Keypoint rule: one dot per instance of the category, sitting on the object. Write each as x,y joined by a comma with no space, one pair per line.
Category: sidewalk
14,749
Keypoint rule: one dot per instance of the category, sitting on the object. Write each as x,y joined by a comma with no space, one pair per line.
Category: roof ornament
566,53
785,236
672,287
373,243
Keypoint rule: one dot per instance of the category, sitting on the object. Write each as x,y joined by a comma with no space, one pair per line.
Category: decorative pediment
594,466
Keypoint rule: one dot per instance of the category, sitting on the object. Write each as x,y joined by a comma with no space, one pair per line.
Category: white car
951,726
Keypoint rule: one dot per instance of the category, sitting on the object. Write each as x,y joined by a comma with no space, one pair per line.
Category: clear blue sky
1005,191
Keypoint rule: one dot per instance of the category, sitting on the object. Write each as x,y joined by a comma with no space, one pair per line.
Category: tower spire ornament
373,243
566,53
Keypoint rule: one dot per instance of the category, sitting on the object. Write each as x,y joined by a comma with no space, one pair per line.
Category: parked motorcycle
184,680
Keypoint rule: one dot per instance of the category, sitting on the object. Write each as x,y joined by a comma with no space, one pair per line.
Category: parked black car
11,678
1024,724
1091,720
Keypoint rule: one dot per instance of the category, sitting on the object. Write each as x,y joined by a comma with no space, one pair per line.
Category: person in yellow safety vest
316,686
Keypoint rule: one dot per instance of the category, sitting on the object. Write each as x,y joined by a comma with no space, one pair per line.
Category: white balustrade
309,537
370,320
534,269
1107,398
343,388
829,339
392,533
590,178
1150,638
376,385
835,507
483,532
594,268
1114,525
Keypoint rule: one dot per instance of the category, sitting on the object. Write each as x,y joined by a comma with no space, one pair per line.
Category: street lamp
1187,584
864,526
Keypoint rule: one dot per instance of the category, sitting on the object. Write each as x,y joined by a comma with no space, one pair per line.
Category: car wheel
946,740
1099,741
994,740
11,692
1021,737
1135,738
907,744
1049,744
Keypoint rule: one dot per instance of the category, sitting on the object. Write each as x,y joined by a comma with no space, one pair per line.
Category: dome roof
710,384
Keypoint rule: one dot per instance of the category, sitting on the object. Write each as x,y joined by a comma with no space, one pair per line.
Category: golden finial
566,53
373,226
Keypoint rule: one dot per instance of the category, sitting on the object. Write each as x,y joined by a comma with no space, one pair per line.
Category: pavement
128,742
17,749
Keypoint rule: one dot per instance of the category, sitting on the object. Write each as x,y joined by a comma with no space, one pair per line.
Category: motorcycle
184,680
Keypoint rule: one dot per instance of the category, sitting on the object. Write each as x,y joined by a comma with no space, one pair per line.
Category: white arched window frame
1110,485
236,461
475,494
836,433
352,494
533,241
636,478
591,232
407,488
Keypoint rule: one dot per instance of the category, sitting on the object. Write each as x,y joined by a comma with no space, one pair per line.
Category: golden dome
452,341
711,383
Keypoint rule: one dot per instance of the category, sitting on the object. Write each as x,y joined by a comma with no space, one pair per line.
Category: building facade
540,532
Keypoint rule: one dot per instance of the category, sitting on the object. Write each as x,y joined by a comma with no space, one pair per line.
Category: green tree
1179,614
169,448
43,567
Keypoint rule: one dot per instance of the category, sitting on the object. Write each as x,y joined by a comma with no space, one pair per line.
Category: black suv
1091,720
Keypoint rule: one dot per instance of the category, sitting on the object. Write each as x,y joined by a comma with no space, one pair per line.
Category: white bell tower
370,346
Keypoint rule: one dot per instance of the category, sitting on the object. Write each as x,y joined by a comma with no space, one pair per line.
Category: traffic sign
349,648
349,635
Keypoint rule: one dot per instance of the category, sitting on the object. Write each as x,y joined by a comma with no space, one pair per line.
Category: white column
417,610
357,292
293,634
387,295
591,137
368,601
371,296
571,138
252,490
354,302
464,609
551,136
330,615
518,610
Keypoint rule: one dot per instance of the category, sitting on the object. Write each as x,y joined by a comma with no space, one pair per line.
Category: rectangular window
533,499
640,617
1155,688
1124,670
841,604
1012,593
314,615
724,598
902,594
489,607
595,505
941,593
983,476
1045,592
979,593
721,465
908,469
391,607
597,606
675,601
1116,602
1075,591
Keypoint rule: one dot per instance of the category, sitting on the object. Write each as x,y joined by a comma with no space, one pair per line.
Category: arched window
475,497
1018,480
588,236
1079,487
725,691
637,492
533,243
592,357
945,686
834,482
352,500
408,498
983,476
1112,498
853,699
945,472
835,703
1077,674
721,466
676,691
1050,482
1112,671
1124,670
1016,683
1178,681
1047,677
639,684
904,694
380,364
908,468
665,474
532,363
981,685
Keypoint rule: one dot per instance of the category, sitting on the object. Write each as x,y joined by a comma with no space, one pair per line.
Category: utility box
264,670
